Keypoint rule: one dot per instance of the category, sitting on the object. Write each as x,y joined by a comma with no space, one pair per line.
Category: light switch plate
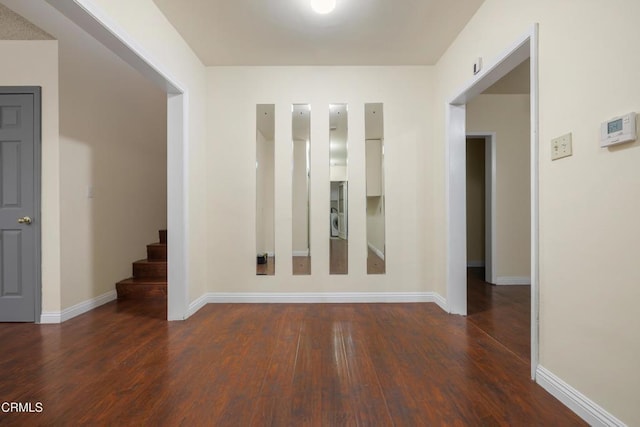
561,147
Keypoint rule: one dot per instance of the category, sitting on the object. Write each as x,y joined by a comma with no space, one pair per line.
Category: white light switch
561,147
90,192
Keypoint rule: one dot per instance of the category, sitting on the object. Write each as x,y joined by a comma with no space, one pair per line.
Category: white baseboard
376,251
505,280
301,253
587,409
196,305
475,263
441,301
315,298
78,309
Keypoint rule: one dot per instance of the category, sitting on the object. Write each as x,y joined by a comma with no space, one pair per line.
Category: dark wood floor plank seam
499,343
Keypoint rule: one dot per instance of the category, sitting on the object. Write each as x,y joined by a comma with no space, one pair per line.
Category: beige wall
233,95
509,117
475,201
35,63
113,139
588,203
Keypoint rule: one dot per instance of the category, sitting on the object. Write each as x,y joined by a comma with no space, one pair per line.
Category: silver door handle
24,220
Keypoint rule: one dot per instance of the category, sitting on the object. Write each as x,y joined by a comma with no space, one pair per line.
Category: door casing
524,47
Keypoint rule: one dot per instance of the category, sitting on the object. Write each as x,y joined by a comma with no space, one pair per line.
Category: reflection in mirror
338,227
265,189
301,177
374,152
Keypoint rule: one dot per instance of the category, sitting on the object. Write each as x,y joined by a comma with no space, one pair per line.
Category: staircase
149,275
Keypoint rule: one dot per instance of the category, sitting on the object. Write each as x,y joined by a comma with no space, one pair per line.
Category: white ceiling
288,32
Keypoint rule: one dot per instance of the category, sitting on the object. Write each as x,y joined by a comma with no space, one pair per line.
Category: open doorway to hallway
498,183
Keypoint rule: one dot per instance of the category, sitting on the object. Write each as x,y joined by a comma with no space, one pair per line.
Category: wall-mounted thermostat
618,130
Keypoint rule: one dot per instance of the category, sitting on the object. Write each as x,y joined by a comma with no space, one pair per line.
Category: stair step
163,236
157,252
145,268
141,288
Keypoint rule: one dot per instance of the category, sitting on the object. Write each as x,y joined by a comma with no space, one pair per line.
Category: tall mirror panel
265,190
339,189
374,154
301,179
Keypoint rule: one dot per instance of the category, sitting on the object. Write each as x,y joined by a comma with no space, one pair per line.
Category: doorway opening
96,23
502,312
524,48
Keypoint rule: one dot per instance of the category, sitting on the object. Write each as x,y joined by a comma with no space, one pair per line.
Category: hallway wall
588,205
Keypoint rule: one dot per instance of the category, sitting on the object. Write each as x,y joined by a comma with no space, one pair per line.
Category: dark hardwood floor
502,312
270,364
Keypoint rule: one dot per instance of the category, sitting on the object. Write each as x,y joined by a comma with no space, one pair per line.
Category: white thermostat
618,130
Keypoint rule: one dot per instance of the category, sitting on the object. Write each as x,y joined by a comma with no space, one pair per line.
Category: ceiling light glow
323,6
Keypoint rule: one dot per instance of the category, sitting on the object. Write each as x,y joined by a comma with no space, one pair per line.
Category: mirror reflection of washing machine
334,224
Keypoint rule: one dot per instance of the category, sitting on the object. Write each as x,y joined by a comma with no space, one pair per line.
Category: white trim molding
315,298
515,280
300,253
474,264
441,301
376,251
78,309
197,304
586,408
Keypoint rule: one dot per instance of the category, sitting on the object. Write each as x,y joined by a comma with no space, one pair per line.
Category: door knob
24,220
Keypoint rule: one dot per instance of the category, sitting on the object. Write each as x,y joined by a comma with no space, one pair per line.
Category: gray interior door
18,274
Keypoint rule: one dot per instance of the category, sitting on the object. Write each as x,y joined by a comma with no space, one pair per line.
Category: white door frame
94,21
489,203
525,47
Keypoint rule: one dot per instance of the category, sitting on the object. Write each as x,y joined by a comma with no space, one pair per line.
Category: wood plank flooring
269,365
502,312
